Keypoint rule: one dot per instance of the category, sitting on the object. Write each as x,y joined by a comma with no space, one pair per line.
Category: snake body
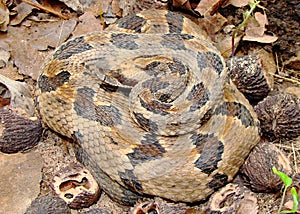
151,108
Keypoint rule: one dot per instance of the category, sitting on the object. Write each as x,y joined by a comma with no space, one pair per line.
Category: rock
20,178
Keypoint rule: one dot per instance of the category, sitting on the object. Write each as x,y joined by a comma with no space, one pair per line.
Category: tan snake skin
149,103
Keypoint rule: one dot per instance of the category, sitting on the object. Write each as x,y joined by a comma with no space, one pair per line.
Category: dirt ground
57,152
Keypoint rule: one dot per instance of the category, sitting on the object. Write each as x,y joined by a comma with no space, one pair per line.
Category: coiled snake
151,108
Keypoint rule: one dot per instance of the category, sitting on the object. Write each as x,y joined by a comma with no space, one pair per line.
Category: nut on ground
279,116
76,186
158,206
18,132
248,75
257,170
233,198
48,204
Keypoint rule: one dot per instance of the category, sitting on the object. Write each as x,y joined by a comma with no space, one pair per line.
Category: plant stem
247,16
282,200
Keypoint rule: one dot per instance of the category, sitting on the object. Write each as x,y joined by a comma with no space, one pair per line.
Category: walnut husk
257,170
76,186
279,116
233,198
249,76
18,132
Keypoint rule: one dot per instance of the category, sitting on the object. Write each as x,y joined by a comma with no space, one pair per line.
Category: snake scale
151,108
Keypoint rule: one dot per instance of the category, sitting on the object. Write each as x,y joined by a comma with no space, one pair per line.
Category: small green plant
247,15
287,181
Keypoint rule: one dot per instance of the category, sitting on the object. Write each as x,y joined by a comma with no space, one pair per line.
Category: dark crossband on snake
150,107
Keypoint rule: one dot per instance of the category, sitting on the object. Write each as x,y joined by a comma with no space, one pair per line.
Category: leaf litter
32,33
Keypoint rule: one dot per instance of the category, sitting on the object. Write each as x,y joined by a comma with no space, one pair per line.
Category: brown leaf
22,10
268,64
4,57
255,29
262,39
39,36
185,5
240,3
51,34
4,16
20,95
224,45
212,24
206,6
74,5
11,72
294,62
87,23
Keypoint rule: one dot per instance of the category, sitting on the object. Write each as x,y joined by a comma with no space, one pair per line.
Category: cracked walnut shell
233,198
76,186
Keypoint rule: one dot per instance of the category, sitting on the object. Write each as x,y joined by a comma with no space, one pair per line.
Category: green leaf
295,199
284,177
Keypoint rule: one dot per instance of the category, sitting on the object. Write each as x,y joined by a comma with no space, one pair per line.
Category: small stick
286,79
295,158
48,10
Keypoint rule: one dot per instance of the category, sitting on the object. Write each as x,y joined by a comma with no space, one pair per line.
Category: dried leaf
20,95
294,62
4,57
51,34
74,5
267,59
255,29
179,3
206,6
213,24
39,36
22,10
11,72
224,45
4,16
240,3
262,39
88,4
87,23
